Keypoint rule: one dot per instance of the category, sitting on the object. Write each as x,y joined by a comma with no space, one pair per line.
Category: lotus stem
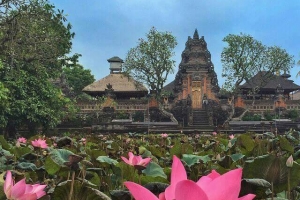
140,178
72,186
289,184
272,189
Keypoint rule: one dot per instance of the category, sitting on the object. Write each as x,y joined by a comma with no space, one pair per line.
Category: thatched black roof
267,81
169,87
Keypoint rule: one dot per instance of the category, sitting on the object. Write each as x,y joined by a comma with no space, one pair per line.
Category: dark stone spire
196,35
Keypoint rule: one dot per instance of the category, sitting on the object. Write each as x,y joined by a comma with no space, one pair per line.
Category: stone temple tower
196,81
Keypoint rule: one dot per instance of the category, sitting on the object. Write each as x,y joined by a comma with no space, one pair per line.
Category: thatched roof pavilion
267,83
123,87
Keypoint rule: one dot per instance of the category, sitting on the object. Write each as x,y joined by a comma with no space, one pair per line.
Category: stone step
200,118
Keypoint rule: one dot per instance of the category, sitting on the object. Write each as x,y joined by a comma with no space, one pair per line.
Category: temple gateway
193,98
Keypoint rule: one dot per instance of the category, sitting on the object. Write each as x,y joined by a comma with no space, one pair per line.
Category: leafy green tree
35,40
4,106
150,61
78,77
245,56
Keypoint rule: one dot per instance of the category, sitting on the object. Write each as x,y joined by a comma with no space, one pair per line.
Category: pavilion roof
169,87
268,81
119,83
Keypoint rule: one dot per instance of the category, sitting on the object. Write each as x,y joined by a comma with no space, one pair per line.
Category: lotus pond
95,166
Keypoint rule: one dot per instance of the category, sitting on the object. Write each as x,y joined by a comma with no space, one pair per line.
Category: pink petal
34,143
131,156
18,189
28,197
8,184
213,174
178,174
145,161
135,160
225,187
37,189
247,197
161,196
44,145
188,190
205,180
139,192
39,194
126,160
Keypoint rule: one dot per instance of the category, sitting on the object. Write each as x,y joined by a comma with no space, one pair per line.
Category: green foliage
150,61
78,77
249,116
272,169
285,145
155,170
51,167
245,56
106,159
32,54
179,149
103,170
60,156
259,187
4,101
122,115
191,160
26,166
138,116
246,143
268,116
81,192
293,114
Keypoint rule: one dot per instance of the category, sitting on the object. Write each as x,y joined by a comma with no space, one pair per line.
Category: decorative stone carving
195,67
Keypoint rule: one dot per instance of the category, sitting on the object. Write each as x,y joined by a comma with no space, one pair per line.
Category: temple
192,99
195,83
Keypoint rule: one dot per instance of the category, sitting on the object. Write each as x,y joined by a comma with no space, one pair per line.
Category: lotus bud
45,153
229,144
218,157
18,144
290,161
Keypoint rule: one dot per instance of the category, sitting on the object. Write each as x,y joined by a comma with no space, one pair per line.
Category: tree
4,106
35,40
78,77
245,56
150,61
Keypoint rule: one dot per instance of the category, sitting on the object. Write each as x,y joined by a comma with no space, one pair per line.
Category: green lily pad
106,159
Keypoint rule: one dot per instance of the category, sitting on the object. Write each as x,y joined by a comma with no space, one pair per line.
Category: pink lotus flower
22,140
21,190
231,136
164,135
39,143
136,160
214,133
211,187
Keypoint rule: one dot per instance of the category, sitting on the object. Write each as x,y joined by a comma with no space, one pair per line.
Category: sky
107,28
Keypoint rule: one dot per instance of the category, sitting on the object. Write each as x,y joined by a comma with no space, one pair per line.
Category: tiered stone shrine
196,81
